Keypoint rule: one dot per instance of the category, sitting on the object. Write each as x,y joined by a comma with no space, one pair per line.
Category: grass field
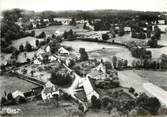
23,41
99,50
10,84
41,109
61,28
159,78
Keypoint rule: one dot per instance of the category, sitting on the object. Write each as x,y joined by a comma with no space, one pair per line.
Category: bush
55,45
96,103
41,35
105,36
61,79
81,107
37,43
131,90
105,101
28,47
152,43
121,31
3,101
83,54
9,96
108,65
21,48
8,49
65,96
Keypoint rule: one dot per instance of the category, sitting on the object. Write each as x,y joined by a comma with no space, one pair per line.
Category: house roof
63,50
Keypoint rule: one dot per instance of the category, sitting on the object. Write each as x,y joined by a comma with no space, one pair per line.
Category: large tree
83,54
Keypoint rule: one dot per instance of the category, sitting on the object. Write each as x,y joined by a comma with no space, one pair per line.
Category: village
81,67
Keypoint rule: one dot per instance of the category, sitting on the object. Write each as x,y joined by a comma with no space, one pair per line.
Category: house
37,62
80,21
49,91
31,20
58,33
89,27
64,21
48,49
101,67
127,29
34,25
52,58
40,51
17,93
46,20
98,73
163,28
161,22
63,51
89,89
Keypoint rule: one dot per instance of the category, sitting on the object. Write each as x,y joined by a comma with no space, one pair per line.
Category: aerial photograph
83,58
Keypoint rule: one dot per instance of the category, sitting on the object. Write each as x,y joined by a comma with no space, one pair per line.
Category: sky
59,5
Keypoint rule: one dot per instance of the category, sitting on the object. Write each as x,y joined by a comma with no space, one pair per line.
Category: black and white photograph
83,58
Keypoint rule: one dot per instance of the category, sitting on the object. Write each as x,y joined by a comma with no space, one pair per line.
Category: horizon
85,5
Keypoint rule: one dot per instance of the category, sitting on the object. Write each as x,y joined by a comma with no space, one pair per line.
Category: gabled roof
63,50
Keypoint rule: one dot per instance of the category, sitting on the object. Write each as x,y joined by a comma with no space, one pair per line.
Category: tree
84,26
150,104
120,64
54,46
53,36
61,79
153,43
37,43
32,33
21,48
96,103
42,35
73,22
83,54
48,39
125,63
108,65
114,60
30,26
45,58
157,32
121,31
105,101
105,36
28,47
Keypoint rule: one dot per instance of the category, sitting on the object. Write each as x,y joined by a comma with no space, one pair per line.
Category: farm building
37,62
89,89
48,49
49,91
40,51
52,58
63,51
